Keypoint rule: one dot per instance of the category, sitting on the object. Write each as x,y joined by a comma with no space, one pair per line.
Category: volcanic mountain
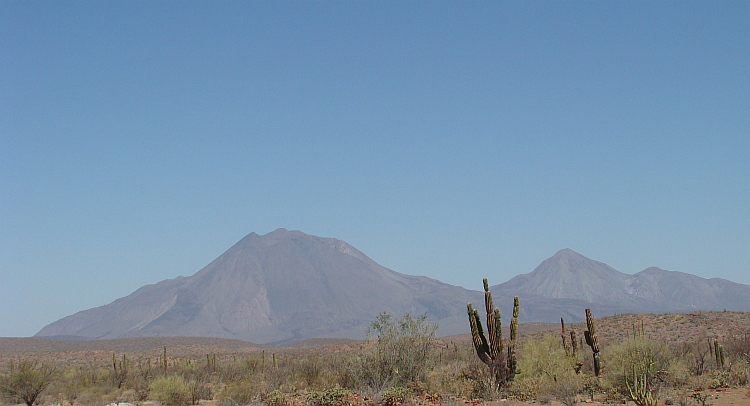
567,283
282,287
287,286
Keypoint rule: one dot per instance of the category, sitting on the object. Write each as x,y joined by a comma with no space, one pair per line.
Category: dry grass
320,364
676,328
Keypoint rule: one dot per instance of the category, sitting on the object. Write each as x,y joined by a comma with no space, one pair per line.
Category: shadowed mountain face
567,283
282,287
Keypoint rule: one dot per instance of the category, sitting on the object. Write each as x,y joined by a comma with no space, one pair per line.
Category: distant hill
286,286
567,283
279,288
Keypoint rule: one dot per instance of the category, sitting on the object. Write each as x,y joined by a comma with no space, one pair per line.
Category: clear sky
459,140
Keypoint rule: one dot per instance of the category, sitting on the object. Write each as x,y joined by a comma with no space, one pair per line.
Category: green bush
171,390
542,362
644,358
544,358
238,393
26,382
395,395
330,397
399,351
276,398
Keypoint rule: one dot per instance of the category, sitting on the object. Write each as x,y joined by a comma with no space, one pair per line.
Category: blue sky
458,140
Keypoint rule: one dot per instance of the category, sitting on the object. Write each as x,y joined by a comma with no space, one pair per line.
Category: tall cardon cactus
489,348
593,341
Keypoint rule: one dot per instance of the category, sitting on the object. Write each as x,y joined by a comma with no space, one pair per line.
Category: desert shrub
330,397
544,358
395,395
200,388
524,389
417,387
725,378
398,352
644,358
27,381
542,362
565,388
239,393
171,390
314,371
459,372
696,356
468,378
276,398
309,369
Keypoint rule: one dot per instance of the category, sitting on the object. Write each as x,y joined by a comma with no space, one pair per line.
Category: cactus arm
514,321
592,341
482,337
491,325
477,335
499,330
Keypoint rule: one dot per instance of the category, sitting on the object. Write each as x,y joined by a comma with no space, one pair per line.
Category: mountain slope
282,287
567,283
287,286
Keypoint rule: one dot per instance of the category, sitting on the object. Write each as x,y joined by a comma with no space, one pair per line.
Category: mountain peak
567,254
569,275
284,286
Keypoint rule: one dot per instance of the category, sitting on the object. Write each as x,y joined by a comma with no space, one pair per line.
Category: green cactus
489,348
564,337
640,391
513,336
592,341
719,354
573,343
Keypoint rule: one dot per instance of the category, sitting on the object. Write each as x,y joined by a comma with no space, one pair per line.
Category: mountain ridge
288,286
555,283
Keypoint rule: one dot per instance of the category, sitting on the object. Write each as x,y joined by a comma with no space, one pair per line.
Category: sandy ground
718,397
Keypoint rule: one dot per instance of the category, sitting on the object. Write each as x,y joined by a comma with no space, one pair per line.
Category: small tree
402,350
27,381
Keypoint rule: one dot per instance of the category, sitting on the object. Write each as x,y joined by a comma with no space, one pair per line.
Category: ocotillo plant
490,348
592,341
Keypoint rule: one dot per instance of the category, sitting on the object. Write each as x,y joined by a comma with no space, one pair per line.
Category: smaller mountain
567,283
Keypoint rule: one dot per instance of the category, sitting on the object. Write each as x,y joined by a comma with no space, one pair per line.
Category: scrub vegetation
402,362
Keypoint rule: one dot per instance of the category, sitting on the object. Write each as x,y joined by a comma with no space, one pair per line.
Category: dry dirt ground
718,397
